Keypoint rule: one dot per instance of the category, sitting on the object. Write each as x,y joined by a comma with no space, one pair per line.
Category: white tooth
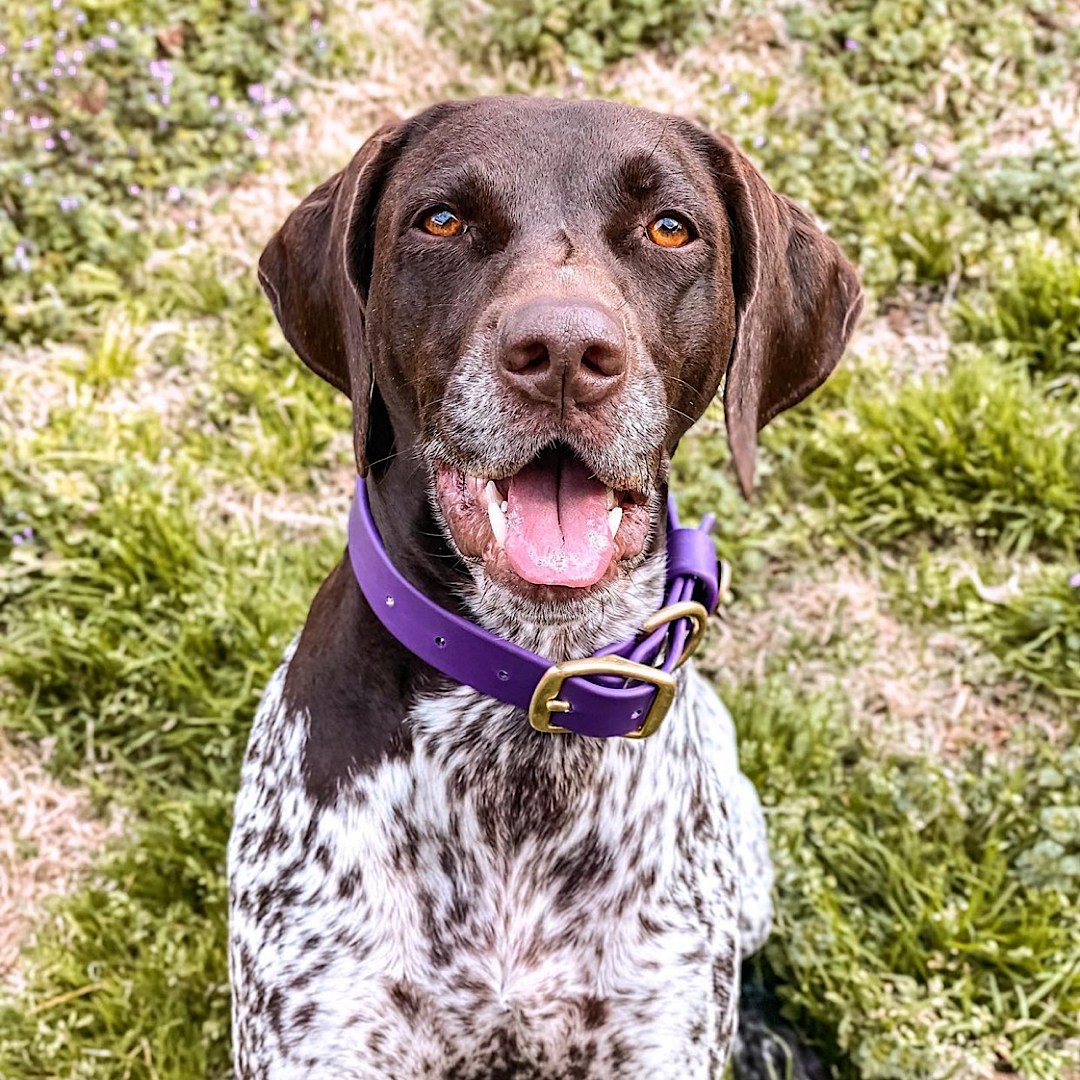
492,493
614,519
498,522
610,498
504,506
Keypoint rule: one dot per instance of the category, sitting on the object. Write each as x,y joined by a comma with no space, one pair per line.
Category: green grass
915,898
927,922
135,113
1029,310
1032,624
139,626
132,979
980,451
1028,189
133,634
550,34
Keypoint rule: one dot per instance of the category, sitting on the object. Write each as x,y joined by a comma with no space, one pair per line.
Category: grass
1029,310
132,980
922,965
942,456
1031,623
143,649
173,483
136,113
552,33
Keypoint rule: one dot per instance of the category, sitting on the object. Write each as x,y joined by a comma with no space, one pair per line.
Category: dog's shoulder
350,681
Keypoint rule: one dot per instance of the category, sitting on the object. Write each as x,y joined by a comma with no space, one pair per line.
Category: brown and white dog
529,302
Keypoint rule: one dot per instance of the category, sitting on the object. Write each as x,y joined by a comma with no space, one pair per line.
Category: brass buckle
687,609
545,699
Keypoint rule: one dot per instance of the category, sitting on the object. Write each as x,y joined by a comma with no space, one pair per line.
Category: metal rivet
440,642
389,601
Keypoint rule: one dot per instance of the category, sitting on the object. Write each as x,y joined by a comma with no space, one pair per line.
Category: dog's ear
316,270
797,299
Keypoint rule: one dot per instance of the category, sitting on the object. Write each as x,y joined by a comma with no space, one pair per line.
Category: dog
529,302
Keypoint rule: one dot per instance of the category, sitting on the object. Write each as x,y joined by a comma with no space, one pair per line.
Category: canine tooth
610,498
614,519
492,493
498,522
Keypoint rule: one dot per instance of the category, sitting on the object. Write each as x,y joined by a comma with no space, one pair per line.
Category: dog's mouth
552,523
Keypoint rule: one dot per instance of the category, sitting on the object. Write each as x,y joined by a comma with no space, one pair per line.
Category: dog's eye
442,222
668,231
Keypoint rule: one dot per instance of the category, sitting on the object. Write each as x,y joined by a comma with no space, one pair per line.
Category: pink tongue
556,523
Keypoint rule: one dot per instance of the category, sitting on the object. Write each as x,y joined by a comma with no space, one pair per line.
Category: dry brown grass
32,377
293,514
49,836
915,690
910,337
711,82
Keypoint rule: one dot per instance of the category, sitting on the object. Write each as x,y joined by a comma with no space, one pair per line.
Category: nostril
602,360
533,357
528,358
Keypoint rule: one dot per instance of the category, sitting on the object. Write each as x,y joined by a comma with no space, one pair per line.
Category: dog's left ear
797,299
316,270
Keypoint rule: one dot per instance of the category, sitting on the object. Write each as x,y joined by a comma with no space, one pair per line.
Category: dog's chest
489,905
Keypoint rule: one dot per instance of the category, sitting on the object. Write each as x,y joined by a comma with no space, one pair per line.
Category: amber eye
443,222
669,231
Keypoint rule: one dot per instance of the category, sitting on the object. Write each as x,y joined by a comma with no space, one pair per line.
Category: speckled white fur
498,904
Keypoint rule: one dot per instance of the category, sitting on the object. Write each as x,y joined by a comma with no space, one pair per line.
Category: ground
901,645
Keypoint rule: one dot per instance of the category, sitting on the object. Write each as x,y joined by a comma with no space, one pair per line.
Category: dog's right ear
316,270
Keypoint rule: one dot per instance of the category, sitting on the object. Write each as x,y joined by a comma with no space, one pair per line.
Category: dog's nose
558,350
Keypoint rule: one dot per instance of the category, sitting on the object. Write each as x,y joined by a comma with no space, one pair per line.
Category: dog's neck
355,683
613,614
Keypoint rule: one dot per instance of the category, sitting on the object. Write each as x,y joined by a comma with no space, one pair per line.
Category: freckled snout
560,351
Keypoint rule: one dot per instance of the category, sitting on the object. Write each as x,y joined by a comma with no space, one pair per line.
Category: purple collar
624,689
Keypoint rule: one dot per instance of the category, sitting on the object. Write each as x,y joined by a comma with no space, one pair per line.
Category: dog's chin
489,524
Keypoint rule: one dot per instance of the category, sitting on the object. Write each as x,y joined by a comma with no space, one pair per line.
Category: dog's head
538,298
